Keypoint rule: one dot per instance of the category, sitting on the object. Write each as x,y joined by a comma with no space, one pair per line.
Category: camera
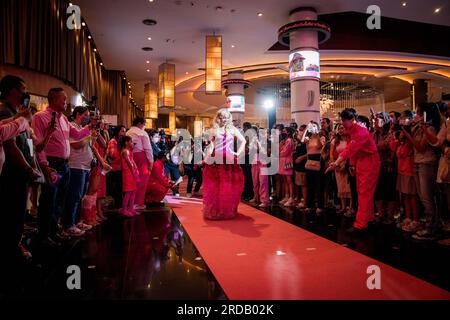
25,100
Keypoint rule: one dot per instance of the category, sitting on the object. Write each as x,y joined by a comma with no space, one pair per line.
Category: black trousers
352,181
248,187
193,175
315,181
114,187
13,202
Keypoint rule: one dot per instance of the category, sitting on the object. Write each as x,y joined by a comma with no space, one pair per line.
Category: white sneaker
84,227
253,200
180,180
141,207
73,231
263,205
283,201
289,203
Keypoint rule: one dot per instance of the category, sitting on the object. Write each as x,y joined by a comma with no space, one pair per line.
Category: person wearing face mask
16,174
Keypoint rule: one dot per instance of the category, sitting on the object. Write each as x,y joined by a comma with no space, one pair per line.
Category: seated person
158,184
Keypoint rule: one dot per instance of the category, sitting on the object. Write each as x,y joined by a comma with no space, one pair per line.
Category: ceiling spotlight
437,10
232,45
404,4
101,63
268,104
95,49
89,37
260,14
83,24
148,70
150,0
149,22
70,4
187,72
149,38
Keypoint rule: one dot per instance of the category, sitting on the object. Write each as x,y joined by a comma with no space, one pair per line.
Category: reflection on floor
151,257
145,257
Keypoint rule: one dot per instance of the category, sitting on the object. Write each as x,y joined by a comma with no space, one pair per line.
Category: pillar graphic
236,85
303,34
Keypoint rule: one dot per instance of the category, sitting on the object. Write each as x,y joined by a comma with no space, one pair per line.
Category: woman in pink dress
130,176
223,180
286,166
343,185
158,184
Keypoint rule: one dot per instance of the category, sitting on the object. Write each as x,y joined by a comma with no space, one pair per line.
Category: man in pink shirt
363,150
54,162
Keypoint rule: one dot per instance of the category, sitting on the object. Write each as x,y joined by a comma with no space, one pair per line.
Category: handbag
312,165
444,175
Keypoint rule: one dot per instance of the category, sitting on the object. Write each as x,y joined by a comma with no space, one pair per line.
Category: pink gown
222,183
158,184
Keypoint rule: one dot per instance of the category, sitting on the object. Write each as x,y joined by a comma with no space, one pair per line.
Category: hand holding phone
53,122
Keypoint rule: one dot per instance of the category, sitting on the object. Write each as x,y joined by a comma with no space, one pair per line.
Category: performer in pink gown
223,180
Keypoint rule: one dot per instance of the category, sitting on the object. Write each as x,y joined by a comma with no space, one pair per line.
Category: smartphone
53,122
25,100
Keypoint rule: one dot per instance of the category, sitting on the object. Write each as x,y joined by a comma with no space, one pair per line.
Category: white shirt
141,142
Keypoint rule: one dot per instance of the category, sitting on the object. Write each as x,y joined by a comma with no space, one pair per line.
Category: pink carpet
258,257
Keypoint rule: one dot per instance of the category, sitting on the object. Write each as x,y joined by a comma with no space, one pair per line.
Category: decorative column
235,86
172,122
303,35
419,92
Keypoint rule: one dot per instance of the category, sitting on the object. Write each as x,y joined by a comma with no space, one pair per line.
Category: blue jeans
425,178
52,200
173,169
79,180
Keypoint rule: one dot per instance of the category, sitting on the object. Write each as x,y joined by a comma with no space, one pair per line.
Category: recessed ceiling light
149,38
89,37
148,70
150,0
149,22
83,24
187,72
101,63
260,14
232,45
437,10
404,4
148,61
95,50
70,4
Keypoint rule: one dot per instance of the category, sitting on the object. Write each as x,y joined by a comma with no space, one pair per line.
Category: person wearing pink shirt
10,128
364,150
54,161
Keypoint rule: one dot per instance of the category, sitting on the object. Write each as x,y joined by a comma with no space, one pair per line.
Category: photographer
425,165
17,170
54,161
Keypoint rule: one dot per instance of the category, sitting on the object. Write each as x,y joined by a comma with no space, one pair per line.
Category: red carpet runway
257,257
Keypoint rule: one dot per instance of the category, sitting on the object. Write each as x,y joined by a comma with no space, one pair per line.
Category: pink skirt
222,190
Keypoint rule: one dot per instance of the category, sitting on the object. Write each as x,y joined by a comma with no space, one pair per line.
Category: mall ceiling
179,37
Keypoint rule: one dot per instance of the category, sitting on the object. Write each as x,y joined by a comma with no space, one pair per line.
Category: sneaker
177,194
131,213
25,253
413,226
263,205
253,200
73,231
404,223
424,235
349,213
140,207
283,201
301,205
289,203
84,227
